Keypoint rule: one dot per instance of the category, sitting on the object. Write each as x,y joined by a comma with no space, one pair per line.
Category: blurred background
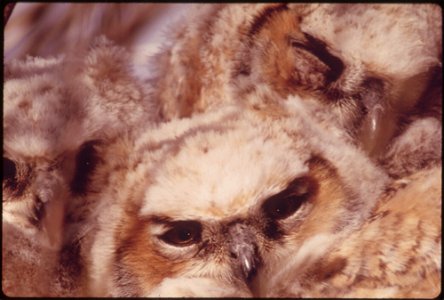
46,29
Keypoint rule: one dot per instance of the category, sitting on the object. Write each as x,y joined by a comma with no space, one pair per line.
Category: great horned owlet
59,115
243,203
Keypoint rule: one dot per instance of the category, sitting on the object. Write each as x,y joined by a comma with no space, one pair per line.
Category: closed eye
319,49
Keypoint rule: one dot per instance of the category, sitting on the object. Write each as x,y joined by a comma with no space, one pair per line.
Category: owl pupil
284,207
184,235
281,210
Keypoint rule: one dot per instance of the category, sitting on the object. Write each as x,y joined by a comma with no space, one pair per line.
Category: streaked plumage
58,114
368,67
205,204
309,83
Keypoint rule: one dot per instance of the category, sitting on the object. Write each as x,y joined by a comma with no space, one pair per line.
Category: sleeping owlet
363,68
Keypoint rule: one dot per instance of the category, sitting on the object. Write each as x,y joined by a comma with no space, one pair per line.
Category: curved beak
378,125
50,202
243,249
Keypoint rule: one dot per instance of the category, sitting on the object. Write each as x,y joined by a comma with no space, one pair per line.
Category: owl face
338,57
59,115
227,195
366,39
43,133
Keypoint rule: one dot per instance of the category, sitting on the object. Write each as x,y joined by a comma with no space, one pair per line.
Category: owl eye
287,202
319,49
183,233
281,208
86,162
13,179
9,170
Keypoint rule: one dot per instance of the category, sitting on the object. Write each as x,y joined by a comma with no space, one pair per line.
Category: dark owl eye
287,202
183,233
86,162
9,171
15,177
281,208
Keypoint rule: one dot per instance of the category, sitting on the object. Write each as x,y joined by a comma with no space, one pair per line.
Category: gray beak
243,249
50,205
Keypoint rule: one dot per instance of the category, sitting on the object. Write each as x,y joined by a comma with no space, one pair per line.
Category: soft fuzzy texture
308,83
419,147
54,108
217,168
396,253
365,65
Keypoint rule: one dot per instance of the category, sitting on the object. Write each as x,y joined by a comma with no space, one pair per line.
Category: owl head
43,132
208,202
365,65
57,111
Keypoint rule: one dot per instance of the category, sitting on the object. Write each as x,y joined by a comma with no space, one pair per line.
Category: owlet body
58,114
203,206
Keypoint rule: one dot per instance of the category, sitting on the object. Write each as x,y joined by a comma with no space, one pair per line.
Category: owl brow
164,220
158,219
294,185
